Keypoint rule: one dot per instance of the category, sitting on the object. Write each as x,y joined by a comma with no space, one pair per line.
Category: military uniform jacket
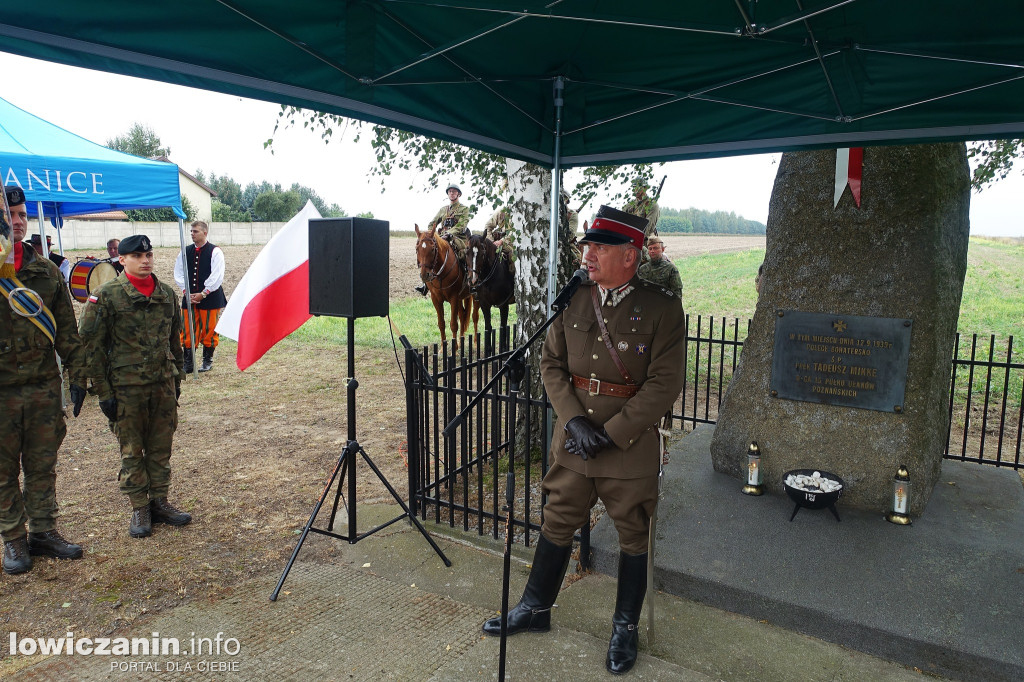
647,331
497,226
26,354
645,208
664,273
452,219
132,340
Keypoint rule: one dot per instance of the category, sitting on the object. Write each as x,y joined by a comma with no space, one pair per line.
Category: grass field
723,285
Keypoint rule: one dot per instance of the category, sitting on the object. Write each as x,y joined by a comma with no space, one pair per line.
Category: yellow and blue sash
27,306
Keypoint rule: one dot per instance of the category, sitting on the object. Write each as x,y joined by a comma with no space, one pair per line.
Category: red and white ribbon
849,166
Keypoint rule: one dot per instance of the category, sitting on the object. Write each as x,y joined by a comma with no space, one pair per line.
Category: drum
88,276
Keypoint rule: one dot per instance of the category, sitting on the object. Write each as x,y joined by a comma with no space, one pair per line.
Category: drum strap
27,306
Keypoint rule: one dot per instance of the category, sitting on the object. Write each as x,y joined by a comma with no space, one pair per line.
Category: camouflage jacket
664,273
131,339
452,219
26,354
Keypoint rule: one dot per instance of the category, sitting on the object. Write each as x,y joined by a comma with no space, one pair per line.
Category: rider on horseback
498,230
452,223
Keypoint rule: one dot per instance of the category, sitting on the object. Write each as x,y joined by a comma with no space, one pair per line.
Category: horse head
426,253
482,258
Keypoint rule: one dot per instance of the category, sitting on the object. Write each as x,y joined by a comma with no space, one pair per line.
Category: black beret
134,244
15,195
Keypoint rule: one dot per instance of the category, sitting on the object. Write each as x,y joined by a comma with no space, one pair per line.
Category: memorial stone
860,285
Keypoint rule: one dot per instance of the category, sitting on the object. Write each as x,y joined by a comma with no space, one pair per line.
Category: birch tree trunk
530,187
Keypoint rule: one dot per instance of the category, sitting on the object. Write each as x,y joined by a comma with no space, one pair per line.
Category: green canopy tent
578,82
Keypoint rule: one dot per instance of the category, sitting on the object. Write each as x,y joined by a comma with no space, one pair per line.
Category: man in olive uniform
497,229
660,270
612,365
36,319
132,331
644,206
452,223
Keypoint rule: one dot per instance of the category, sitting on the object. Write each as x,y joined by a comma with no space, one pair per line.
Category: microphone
567,292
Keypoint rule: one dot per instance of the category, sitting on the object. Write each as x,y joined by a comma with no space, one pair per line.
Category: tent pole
58,223
556,179
42,229
188,300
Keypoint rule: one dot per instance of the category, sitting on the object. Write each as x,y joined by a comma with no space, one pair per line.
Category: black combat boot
628,602
164,512
16,556
50,543
188,360
533,612
422,288
142,522
207,359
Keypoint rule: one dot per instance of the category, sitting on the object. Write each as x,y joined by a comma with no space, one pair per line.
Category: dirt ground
251,455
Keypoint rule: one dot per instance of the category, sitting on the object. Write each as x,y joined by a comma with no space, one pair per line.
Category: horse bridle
436,273
494,269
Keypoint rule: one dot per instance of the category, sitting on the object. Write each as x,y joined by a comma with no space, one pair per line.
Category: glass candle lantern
754,484
900,498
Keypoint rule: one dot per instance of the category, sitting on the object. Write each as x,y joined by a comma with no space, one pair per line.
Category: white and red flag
272,299
849,166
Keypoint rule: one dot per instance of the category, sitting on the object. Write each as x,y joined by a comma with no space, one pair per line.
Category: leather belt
598,387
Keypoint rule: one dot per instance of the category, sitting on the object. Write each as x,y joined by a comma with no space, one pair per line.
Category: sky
225,134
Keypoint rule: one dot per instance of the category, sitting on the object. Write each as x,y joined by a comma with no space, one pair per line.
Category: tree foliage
995,159
140,140
162,215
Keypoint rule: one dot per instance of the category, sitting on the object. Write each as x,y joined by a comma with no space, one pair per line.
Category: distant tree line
695,220
264,202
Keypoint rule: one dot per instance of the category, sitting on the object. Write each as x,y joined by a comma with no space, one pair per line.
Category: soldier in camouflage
32,421
660,270
452,223
131,328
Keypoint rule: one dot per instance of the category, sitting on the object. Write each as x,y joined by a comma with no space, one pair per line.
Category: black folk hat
612,226
137,243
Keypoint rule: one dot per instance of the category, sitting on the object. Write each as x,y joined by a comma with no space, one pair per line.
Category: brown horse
440,271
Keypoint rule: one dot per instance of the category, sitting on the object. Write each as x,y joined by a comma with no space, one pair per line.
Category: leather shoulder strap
596,297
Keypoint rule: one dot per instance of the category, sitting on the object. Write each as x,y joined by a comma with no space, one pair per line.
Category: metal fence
459,480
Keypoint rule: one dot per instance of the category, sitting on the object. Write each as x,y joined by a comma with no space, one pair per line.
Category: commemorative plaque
845,360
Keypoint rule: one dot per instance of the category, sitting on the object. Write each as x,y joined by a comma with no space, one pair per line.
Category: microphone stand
515,366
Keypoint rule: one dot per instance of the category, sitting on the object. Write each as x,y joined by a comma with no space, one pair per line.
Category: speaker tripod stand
345,471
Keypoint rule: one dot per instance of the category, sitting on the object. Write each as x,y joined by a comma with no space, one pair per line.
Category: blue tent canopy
75,176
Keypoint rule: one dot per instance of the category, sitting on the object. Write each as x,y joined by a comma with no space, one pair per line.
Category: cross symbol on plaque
839,326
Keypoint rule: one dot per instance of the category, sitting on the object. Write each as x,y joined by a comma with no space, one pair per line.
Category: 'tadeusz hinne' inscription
843,360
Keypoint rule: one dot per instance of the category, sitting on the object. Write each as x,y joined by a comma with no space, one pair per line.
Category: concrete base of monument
945,594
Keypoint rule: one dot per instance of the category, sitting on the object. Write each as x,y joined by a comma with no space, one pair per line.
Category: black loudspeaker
348,267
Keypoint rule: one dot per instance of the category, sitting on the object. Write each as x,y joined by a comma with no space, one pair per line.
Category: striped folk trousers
204,322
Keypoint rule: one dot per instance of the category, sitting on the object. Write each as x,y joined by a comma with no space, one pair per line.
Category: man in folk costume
36,319
612,365
132,331
205,264
452,223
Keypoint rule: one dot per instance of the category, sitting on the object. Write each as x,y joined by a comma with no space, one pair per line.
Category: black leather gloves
585,439
109,408
77,398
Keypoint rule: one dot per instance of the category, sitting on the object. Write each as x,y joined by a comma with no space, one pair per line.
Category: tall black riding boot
533,612
188,360
207,359
628,602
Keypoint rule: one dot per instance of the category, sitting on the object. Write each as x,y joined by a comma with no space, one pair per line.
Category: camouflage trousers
146,419
31,430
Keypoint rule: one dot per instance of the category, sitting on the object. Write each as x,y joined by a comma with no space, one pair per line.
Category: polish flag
272,299
849,169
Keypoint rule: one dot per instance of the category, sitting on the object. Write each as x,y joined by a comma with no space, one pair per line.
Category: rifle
658,193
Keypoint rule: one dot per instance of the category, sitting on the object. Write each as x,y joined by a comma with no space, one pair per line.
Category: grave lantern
900,498
754,485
